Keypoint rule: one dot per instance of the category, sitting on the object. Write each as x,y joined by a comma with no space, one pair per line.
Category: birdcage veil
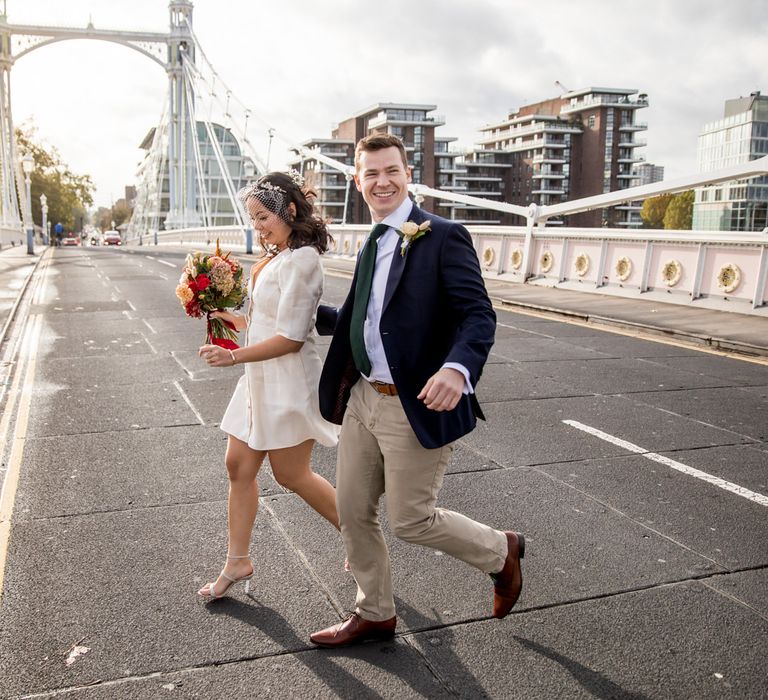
272,196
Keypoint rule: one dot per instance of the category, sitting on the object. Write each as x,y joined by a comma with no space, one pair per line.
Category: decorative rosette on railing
671,272
729,278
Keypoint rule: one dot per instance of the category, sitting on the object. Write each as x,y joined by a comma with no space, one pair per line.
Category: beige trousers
378,451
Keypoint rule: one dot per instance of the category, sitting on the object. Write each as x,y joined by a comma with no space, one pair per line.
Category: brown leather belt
384,388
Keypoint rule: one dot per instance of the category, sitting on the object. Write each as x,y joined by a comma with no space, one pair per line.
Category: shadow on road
395,658
593,682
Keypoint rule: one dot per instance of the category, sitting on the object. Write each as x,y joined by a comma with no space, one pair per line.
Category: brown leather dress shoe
353,630
509,581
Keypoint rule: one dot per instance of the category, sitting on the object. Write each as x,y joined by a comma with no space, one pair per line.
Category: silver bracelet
232,355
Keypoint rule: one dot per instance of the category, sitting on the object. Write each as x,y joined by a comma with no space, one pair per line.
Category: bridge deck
644,577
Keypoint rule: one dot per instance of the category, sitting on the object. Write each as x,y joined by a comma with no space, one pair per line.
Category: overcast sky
304,65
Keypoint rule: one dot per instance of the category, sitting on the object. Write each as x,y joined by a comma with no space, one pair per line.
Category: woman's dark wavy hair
306,227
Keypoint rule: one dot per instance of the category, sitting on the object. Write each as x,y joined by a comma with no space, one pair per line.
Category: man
408,349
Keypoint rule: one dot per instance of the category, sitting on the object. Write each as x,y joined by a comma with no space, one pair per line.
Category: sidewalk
721,330
15,270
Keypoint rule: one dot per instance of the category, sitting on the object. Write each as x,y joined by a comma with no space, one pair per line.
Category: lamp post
28,166
249,170
44,208
271,133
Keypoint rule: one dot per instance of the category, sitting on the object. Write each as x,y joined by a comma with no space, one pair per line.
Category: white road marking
146,323
149,257
672,464
127,301
189,401
151,347
10,483
165,262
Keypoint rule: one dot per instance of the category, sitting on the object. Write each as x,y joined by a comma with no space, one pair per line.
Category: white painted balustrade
723,270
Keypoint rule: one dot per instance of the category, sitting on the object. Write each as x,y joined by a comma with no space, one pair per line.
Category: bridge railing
723,270
11,236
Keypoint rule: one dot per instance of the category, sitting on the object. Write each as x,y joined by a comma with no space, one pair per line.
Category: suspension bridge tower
9,209
171,51
181,139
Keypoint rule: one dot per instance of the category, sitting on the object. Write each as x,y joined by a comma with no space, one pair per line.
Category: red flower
193,309
202,282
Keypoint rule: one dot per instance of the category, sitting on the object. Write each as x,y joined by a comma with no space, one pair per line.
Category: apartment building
580,144
647,174
740,136
433,163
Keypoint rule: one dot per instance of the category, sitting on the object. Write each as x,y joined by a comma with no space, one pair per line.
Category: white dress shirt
387,246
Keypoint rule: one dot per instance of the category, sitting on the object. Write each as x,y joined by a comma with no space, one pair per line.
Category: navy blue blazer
436,310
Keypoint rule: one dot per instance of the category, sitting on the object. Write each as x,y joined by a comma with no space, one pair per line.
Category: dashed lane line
672,464
189,402
165,262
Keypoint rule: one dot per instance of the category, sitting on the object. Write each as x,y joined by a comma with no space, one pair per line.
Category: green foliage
121,213
679,214
68,194
104,216
654,209
669,211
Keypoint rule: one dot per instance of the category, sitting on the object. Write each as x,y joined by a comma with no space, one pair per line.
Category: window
591,121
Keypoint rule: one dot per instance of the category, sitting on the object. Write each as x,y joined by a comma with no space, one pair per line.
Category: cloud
303,66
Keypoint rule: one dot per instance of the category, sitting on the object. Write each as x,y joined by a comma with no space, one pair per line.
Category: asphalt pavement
634,459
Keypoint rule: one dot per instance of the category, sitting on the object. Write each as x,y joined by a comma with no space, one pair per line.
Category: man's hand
443,390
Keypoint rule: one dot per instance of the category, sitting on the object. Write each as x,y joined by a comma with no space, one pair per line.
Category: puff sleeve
300,279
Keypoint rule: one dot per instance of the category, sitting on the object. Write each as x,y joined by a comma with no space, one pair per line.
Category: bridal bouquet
209,283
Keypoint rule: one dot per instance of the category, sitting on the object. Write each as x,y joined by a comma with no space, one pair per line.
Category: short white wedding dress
276,403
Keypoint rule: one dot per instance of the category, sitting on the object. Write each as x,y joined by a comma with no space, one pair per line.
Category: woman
274,410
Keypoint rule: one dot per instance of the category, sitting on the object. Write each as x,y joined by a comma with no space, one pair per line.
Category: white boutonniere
410,232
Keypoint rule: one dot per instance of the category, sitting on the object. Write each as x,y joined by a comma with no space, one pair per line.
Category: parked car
70,239
112,238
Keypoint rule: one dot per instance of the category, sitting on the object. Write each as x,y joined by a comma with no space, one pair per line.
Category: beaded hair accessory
273,197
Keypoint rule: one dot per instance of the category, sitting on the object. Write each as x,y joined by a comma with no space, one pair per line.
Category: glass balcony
620,101
383,118
632,144
637,126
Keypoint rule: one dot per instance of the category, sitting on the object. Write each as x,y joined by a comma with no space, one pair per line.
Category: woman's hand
216,356
237,320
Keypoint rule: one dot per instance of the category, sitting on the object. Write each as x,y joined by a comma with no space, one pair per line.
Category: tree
654,209
679,214
105,217
121,212
102,218
68,194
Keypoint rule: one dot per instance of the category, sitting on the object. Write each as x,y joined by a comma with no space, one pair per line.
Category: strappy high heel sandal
213,595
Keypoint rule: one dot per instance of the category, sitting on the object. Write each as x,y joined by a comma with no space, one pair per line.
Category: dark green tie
362,293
